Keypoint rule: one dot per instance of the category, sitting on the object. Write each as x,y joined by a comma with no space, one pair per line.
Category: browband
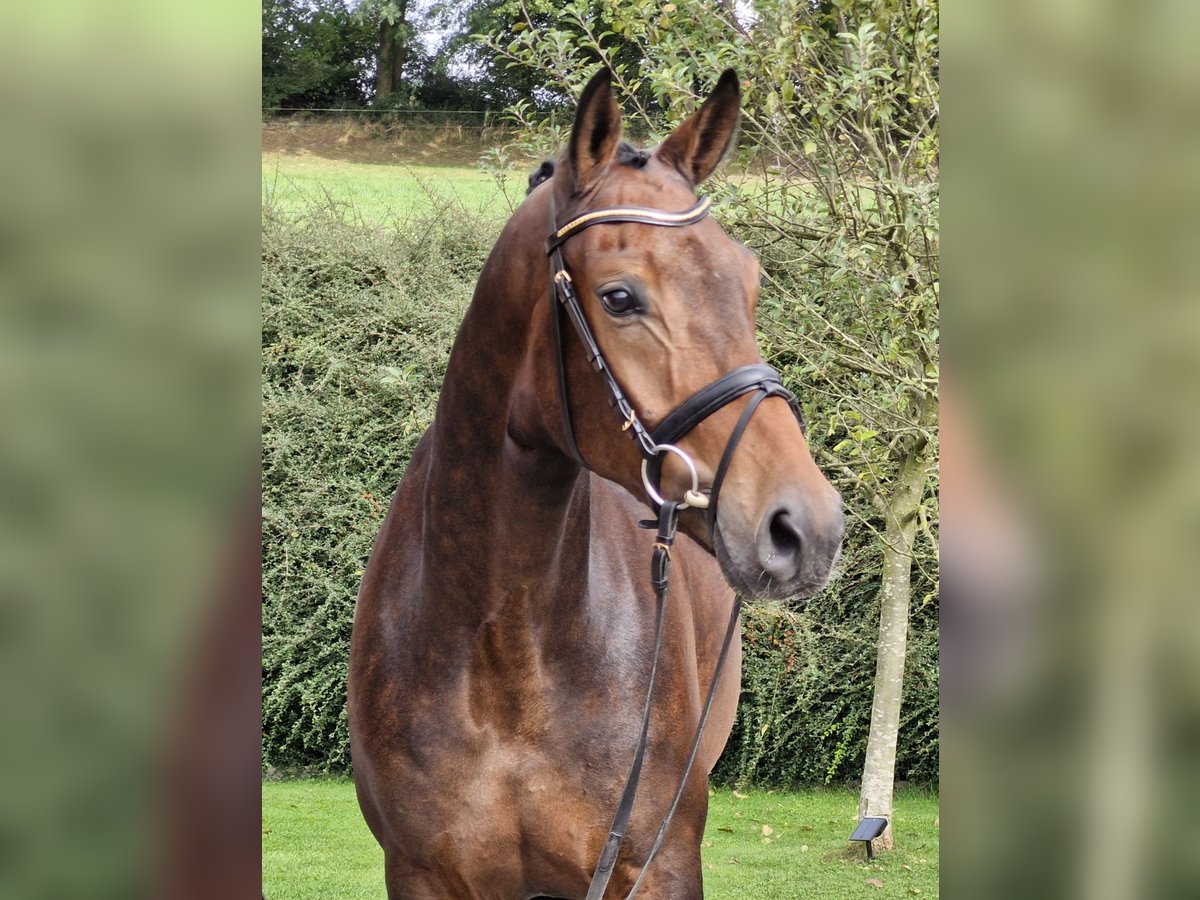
640,215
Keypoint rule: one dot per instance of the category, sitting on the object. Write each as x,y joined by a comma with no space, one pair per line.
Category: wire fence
467,127
486,125
475,118
484,119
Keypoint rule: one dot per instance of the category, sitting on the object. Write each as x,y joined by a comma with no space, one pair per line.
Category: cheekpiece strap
562,288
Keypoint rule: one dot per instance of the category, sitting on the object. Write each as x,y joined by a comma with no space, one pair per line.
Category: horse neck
504,506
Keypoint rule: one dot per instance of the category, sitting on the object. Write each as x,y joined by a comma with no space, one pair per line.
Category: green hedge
357,326
807,680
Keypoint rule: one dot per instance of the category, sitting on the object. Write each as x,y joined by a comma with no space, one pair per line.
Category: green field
392,193
759,845
381,193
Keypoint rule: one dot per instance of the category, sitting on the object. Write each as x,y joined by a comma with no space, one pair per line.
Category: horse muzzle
787,552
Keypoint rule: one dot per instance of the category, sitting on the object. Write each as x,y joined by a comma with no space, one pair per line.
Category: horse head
671,310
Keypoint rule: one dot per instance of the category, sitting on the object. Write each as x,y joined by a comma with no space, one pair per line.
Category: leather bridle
758,379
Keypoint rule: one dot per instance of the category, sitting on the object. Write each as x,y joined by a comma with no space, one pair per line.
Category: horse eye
619,302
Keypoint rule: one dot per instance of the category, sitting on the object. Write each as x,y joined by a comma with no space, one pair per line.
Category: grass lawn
389,193
380,193
759,845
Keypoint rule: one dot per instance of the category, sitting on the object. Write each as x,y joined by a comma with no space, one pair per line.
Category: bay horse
504,635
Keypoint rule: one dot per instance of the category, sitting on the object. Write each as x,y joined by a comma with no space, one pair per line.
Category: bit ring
692,497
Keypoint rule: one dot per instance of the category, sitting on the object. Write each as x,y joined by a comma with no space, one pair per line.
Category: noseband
758,379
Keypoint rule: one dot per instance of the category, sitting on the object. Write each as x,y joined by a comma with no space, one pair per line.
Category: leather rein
758,379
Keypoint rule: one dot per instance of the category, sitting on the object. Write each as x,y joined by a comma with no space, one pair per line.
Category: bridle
758,379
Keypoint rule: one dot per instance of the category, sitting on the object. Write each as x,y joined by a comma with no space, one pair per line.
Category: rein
758,379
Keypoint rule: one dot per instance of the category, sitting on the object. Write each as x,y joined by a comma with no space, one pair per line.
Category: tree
394,38
838,194
314,54
502,80
493,80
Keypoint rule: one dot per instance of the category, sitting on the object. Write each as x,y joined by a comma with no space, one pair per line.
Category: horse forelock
627,155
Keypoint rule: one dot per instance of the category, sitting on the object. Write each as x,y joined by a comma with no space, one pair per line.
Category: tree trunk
393,52
895,590
383,68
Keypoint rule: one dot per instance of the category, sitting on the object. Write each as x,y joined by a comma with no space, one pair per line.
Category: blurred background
129,281
1070,627
128,447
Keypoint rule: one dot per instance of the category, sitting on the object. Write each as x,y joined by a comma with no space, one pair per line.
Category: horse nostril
785,541
795,545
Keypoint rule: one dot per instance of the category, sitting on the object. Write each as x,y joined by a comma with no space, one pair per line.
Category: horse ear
696,147
595,134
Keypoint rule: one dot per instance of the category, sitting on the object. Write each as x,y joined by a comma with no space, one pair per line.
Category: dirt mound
373,142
